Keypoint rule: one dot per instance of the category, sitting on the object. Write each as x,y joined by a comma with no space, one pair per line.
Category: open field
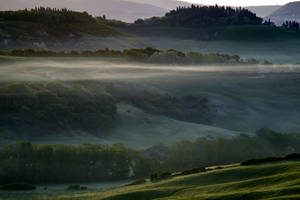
278,180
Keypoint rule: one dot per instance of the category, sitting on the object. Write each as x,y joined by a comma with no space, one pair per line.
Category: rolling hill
263,11
279,180
290,11
166,4
73,30
116,9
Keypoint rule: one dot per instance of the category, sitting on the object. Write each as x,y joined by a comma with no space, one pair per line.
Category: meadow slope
270,181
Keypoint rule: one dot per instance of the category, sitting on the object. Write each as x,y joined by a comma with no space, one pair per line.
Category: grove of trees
53,106
291,25
51,16
26,162
204,16
146,55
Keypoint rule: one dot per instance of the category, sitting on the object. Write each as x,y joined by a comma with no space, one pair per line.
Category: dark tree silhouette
291,25
203,16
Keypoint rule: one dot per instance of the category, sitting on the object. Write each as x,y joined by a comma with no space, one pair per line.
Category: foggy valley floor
242,99
199,103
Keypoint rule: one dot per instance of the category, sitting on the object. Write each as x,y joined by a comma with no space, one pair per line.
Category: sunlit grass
269,181
11,58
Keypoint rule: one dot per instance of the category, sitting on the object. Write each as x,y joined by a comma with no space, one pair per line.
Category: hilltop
290,12
35,29
263,11
214,29
126,10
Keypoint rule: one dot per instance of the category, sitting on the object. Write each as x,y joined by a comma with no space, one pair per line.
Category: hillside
290,11
234,182
204,16
263,11
166,4
116,9
257,182
261,42
73,30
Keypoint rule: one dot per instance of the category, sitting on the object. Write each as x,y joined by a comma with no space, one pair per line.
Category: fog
245,98
66,69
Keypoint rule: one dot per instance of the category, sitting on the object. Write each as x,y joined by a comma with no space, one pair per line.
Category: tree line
146,55
64,21
26,162
51,16
43,108
291,25
204,16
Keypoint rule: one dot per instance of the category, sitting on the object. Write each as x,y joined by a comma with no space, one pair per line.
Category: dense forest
64,21
145,55
204,16
38,108
26,162
51,16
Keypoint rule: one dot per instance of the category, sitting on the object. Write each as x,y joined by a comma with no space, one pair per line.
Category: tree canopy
205,16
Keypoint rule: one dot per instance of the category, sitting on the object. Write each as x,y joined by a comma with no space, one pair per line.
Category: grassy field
270,181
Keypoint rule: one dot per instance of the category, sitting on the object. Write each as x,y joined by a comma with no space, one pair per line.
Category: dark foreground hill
233,182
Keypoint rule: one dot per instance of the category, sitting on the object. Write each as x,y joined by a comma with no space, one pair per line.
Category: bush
135,55
83,188
154,176
137,182
193,171
292,156
165,175
74,187
18,186
261,160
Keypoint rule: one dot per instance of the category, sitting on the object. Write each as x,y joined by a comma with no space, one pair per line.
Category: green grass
266,182
11,58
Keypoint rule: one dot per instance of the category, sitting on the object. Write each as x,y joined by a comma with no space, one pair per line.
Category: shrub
135,55
292,156
193,171
83,188
137,182
74,187
165,175
18,186
261,160
154,176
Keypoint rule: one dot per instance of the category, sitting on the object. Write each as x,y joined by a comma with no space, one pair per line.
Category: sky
241,2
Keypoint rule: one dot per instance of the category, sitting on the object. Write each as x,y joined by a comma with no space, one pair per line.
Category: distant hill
73,30
166,4
263,11
290,11
116,9
204,16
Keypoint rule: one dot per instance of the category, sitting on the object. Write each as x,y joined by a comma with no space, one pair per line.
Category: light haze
240,2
